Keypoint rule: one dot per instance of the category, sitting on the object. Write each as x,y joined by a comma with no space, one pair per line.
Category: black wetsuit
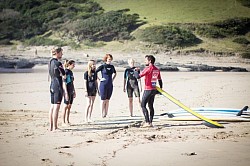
132,83
56,72
91,83
70,86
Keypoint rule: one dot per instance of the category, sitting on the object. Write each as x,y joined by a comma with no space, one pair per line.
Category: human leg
106,107
65,108
92,100
145,97
103,108
51,117
130,99
151,107
68,113
56,108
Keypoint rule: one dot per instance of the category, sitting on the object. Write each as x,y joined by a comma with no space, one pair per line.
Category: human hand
66,96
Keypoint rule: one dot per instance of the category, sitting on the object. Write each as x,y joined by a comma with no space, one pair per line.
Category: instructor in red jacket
152,74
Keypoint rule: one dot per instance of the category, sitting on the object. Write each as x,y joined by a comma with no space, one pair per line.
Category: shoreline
41,56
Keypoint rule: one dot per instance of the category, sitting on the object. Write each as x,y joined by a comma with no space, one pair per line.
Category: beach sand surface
118,139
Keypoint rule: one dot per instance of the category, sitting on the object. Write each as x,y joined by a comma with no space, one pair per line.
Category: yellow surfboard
171,98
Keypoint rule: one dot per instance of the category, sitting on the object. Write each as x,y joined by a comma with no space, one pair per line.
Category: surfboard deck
171,98
217,118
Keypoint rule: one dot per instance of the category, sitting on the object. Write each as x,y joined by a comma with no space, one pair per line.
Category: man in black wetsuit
57,86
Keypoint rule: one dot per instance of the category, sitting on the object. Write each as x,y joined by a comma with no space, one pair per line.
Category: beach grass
163,12
179,11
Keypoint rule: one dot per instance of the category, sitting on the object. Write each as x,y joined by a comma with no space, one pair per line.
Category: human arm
74,91
85,85
96,82
124,80
98,70
160,83
64,77
140,85
113,78
114,72
160,80
66,95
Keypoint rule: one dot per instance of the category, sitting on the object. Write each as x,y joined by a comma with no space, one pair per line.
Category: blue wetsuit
106,84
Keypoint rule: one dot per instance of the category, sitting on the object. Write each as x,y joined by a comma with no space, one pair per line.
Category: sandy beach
118,139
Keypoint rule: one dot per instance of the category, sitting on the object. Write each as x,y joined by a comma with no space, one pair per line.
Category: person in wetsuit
131,84
57,86
69,66
106,82
91,88
152,74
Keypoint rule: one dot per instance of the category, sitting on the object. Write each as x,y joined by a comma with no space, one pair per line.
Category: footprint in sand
46,161
65,153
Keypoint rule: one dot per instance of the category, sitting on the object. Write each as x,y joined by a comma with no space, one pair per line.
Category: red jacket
152,74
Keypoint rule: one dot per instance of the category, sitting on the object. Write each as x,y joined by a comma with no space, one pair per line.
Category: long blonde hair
89,68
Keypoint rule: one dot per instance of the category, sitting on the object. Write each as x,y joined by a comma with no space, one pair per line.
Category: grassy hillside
158,12
180,11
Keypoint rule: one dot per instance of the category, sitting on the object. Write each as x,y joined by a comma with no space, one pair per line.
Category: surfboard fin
241,111
168,114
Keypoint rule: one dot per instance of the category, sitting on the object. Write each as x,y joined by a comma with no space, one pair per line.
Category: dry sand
118,140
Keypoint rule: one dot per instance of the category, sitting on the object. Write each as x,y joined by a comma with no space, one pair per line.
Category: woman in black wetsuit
132,85
91,87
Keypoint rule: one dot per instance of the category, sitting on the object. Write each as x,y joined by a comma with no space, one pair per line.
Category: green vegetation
225,28
76,20
241,40
24,19
245,2
171,36
113,25
216,23
37,41
180,11
245,55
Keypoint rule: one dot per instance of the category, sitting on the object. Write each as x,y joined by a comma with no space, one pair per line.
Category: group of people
62,85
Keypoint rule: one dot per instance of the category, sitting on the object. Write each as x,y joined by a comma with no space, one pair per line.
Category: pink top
152,74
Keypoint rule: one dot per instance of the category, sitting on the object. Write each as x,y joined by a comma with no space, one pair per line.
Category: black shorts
70,101
131,90
92,92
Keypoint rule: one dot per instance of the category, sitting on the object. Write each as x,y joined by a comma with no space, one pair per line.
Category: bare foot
146,125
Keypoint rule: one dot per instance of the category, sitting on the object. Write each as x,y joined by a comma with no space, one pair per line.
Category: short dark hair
150,58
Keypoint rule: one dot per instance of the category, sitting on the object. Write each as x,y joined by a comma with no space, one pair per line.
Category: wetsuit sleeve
114,68
60,68
99,68
95,76
144,72
159,79
160,83
85,76
125,74
159,75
